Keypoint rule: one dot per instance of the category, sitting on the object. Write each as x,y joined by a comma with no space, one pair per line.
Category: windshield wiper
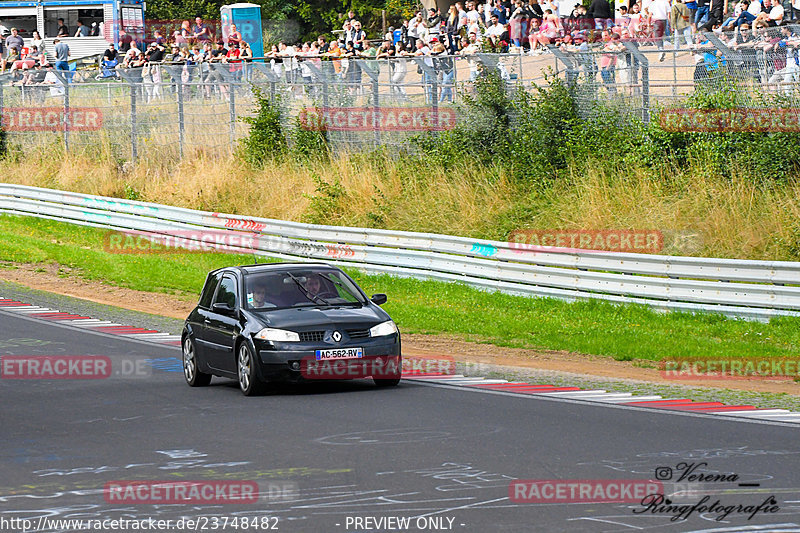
312,297
341,286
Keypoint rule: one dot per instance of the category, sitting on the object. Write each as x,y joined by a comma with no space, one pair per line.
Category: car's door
200,319
222,326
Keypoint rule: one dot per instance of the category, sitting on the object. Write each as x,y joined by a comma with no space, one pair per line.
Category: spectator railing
173,106
740,288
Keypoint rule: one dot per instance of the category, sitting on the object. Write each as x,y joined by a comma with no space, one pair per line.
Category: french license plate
340,353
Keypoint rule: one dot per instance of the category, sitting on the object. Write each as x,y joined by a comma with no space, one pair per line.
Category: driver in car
315,287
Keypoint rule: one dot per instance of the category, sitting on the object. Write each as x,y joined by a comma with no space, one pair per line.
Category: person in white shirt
566,7
416,26
427,79
791,72
495,33
56,85
635,16
776,14
771,14
659,10
748,16
473,17
470,48
462,15
475,27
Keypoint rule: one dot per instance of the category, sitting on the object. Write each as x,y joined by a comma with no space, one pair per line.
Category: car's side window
226,292
208,290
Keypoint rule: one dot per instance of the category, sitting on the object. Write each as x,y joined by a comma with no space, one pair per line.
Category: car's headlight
381,330
280,335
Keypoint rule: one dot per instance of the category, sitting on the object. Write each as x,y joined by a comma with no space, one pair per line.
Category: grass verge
622,332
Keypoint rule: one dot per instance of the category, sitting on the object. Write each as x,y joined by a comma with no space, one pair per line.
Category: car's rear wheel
193,376
248,380
393,382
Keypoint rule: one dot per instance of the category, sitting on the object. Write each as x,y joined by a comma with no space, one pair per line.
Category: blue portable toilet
247,18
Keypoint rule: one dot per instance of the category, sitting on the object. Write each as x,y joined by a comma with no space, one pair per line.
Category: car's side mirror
222,308
378,299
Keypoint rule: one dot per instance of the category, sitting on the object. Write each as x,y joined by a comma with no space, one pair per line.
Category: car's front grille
358,333
311,336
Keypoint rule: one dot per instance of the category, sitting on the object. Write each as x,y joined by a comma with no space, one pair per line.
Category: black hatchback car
288,322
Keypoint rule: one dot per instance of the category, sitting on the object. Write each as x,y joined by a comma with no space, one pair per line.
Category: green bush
266,139
540,136
329,204
310,139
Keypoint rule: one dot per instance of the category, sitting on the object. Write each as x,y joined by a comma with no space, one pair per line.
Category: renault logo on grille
337,336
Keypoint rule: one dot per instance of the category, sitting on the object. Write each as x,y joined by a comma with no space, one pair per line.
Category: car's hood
305,317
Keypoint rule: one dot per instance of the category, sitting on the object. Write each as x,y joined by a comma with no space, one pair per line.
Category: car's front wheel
193,376
248,380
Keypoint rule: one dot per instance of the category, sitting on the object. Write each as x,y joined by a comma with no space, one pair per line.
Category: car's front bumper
380,360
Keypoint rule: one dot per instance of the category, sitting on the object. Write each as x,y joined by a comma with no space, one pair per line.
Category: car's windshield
300,288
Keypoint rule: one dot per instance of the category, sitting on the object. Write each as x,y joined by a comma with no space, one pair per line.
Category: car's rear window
300,288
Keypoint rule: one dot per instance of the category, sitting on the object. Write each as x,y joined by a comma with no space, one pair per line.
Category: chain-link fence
177,108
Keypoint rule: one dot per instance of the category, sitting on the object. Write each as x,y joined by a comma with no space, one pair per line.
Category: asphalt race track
346,456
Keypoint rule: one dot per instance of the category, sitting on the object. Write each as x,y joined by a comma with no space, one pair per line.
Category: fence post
2,107
133,120
64,83
645,64
376,103
66,116
646,91
232,92
181,121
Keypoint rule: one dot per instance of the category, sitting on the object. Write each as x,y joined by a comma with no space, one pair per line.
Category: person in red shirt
233,57
233,53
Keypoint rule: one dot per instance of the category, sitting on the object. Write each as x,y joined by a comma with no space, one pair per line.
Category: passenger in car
260,295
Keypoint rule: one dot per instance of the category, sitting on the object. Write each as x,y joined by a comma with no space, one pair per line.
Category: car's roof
266,267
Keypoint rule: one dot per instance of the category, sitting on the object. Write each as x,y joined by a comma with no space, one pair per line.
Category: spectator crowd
432,40
140,59
532,27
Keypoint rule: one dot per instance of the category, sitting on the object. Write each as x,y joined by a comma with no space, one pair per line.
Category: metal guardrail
740,288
